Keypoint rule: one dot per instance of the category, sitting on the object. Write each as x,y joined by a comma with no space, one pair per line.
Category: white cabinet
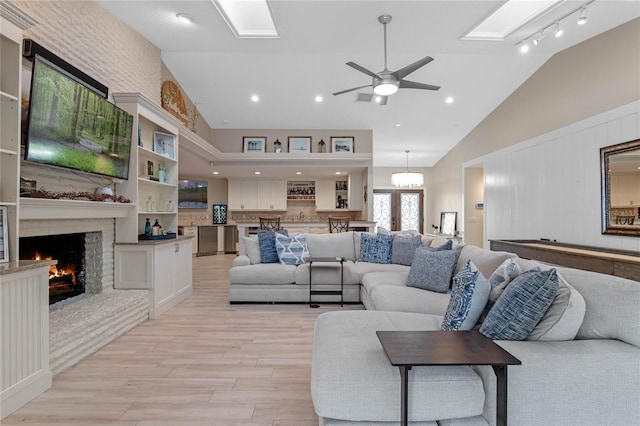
272,195
164,267
191,231
325,195
257,194
356,192
154,199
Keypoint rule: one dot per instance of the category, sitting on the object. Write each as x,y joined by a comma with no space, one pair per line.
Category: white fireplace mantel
41,208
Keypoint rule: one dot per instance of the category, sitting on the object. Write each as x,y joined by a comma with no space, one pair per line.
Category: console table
621,263
407,349
340,260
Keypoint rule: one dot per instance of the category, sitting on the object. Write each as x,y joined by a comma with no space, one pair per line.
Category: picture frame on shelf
341,144
299,144
4,235
448,223
254,144
164,144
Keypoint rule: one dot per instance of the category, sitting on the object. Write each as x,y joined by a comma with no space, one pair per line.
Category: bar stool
270,223
338,224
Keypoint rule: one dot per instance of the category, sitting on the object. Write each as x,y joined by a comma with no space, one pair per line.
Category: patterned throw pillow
432,270
291,250
267,240
521,306
376,249
446,246
404,248
469,295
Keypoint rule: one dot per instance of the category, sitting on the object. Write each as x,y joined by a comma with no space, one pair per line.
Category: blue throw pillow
267,241
469,295
446,246
403,249
291,250
376,249
521,306
432,270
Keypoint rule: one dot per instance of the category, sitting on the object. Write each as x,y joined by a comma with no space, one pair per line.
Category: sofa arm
585,382
242,260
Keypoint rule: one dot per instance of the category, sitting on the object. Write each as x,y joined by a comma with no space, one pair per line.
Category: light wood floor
204,362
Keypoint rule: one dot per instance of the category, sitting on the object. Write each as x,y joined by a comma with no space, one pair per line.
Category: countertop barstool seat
338,224
270,223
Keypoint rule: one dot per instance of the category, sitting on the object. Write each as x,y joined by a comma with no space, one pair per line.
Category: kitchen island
293,227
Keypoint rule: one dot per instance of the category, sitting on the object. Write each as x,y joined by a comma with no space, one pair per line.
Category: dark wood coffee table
406,349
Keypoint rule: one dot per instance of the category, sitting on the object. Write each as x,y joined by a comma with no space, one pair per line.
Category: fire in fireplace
67,278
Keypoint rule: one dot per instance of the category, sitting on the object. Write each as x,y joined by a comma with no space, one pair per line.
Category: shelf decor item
341,144
277,146
322,147
164,144
253,144
299,144
4,236
173,101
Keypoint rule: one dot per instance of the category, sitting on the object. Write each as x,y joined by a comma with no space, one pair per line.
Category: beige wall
230,140
592,77
473,221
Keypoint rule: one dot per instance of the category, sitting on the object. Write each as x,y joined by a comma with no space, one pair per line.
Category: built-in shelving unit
301,190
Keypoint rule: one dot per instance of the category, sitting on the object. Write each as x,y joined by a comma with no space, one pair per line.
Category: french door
398,209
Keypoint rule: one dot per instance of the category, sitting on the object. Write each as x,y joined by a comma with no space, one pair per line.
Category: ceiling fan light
385,88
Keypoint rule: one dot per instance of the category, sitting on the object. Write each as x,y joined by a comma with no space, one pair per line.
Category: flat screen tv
72,127
192,194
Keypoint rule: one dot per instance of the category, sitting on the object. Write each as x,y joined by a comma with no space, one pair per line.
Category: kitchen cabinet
325,195
272,195
257,195
161,266
190,231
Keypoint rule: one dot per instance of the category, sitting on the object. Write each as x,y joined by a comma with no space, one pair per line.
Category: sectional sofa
584,370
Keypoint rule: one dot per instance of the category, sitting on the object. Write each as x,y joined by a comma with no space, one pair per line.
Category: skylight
248,18
512,15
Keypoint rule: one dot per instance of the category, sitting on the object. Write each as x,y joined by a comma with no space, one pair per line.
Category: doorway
398,209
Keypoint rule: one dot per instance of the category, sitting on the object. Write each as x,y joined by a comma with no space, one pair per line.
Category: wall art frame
342,144
299,144
254,144
164,144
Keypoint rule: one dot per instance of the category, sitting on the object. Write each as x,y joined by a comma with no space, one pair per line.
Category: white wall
549,186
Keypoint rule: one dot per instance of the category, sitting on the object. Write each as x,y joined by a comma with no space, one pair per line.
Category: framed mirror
448,223
620,183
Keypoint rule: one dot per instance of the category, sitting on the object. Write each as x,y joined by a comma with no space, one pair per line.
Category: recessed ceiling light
184,17
318,98
398,124
338,173
248,19
449,100
256,173
255,98
216,173
298,173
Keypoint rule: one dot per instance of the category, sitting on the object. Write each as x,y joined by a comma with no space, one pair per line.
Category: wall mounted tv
72,127
192,194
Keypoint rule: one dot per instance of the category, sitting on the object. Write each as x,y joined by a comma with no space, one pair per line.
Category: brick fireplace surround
81,325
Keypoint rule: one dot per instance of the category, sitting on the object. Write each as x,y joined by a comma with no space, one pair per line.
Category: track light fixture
555,28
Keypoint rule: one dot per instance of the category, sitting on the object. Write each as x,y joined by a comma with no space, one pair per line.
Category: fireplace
69,277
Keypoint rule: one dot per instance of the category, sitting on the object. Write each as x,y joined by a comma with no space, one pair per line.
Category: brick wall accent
87,36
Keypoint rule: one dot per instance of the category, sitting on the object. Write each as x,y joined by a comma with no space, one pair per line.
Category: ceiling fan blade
351,90
363,70
403,72
406,84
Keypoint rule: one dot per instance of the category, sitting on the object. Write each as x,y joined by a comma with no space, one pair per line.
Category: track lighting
539,38
524,48
557,31
582,19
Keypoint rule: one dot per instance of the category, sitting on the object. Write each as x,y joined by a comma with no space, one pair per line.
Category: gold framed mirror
620,184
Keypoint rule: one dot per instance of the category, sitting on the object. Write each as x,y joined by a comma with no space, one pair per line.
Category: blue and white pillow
469,296
432,270
292,250
376,249
403,249
267,240
521,306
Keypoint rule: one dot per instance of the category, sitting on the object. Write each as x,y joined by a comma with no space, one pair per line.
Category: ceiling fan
387,82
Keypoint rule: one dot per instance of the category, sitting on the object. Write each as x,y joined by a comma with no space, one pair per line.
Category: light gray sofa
593,379
253,282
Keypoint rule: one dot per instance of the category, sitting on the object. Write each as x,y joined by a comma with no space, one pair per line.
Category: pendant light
407,179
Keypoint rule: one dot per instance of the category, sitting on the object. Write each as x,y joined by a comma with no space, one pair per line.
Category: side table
311,261
406,349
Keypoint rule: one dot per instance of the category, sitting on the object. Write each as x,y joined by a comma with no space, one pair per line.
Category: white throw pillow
252,249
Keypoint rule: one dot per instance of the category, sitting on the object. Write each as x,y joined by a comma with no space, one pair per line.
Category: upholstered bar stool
270,223
338,224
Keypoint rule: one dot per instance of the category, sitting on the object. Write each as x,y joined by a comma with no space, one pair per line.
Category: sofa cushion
267,240
486,261
292,250
409,299
521,306
376,249
469,296
352,379
252,248
432,270
564,317
403,248
263,273
331,245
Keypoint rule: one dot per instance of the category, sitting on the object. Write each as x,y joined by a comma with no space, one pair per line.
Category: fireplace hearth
67,278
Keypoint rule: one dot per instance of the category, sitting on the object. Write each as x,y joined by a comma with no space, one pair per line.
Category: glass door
398,209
